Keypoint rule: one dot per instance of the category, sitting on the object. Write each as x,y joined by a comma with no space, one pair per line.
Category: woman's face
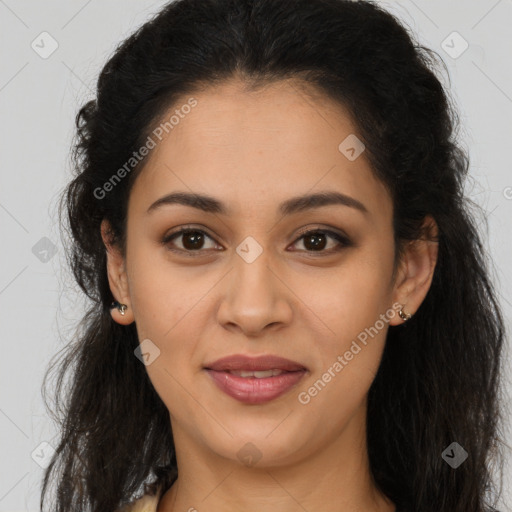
253,285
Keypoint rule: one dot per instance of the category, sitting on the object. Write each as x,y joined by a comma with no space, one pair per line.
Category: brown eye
316,241
192,240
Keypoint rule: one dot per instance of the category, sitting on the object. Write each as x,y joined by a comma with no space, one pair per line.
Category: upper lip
265,362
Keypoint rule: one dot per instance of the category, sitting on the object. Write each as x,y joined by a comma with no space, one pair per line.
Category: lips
241,362
255,380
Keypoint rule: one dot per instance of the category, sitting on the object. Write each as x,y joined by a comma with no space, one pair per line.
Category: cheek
165,304
349,361
171,308
349,298
159,292
351,305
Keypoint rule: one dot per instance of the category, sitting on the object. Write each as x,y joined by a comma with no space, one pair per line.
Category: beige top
146,503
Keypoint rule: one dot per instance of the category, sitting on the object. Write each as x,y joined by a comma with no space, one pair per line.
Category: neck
332,478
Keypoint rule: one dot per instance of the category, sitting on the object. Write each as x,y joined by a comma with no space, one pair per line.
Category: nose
256,298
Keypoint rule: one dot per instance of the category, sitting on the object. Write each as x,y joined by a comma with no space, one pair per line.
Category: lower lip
252,390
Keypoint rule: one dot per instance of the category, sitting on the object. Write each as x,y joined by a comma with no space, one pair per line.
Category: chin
268,445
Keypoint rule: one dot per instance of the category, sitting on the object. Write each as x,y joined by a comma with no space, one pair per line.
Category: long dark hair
439,379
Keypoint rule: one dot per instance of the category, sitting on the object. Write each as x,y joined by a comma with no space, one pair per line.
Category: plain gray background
39,98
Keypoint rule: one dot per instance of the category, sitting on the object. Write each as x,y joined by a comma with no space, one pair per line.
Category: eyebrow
293,205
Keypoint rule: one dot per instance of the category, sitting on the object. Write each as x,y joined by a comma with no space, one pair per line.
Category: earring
404,316
121,307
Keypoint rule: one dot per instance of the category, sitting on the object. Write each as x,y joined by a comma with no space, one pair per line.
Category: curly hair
439,377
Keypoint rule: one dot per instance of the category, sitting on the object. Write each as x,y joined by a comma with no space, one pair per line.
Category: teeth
259,375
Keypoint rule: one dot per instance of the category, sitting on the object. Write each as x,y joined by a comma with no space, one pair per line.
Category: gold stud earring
404,316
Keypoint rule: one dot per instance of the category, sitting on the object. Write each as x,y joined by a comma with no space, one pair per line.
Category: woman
291,308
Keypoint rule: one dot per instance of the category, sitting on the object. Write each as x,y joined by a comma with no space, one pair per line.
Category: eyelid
328,230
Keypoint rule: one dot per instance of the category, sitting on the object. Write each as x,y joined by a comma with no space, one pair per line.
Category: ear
416,270
117,277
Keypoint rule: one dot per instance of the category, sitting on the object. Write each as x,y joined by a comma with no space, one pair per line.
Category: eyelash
343,241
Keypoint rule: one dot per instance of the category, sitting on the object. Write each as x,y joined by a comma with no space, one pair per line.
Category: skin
253,150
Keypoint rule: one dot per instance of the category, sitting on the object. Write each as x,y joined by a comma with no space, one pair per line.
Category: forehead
253,148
